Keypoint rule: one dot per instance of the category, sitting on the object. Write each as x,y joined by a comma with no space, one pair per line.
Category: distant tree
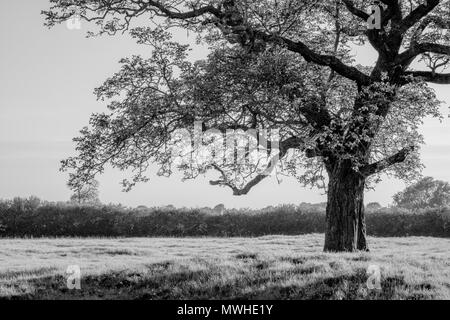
86,194
373,206
427,193
219,209
32,203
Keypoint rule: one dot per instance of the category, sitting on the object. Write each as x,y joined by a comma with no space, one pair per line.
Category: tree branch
406,57
381,165
309,55
417,14
355,11
224,17
185,15
429,76
285,146
394,11
433,19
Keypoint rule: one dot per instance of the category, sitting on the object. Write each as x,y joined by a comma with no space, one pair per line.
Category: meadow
269,267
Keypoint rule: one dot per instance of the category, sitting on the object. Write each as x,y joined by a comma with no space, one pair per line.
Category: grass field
273,267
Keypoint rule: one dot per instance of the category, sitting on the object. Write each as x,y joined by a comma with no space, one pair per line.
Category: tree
426,193
274,64
373,206
86,193
219,209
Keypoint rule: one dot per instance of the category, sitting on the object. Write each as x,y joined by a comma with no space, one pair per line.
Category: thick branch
309,55
355,11
433,48
285,146
429,76
417,14
405,58
381,165
185,15
394,11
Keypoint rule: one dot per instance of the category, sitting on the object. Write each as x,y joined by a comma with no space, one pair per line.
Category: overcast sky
46,82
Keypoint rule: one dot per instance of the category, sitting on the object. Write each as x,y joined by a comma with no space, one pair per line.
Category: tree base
346,228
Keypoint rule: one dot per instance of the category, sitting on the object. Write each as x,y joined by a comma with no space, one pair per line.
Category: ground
272,267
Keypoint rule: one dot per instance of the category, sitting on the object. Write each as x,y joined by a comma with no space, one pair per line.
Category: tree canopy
293,70
426,193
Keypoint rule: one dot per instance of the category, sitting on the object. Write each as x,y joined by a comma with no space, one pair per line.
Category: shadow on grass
168,280
26,273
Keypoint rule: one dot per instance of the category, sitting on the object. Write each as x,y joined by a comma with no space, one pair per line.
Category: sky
47,78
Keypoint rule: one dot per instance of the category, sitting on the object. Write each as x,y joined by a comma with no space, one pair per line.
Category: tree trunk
346,228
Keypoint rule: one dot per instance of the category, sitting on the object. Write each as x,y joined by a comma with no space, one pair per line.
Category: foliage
373,206
26,218
86,193
273,64
426,193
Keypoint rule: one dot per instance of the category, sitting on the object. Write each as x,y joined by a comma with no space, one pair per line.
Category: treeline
34,218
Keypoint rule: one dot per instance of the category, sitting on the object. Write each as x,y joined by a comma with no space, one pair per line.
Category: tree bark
345,221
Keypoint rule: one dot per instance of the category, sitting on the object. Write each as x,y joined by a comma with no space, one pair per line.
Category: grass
272,267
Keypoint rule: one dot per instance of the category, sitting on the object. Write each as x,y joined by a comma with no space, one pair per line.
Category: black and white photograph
247,152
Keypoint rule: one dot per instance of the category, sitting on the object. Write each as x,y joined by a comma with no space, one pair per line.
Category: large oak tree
282,64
